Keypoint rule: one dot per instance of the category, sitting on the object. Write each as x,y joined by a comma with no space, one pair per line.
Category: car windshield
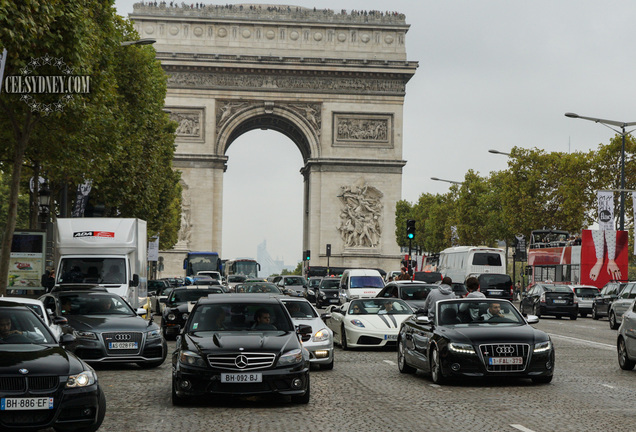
366,282
243,317
329,283
417,292
86,304
586,292
477,312
19,326
264,287
300,309
379,306
429,277
188,295
314,282
294,281
494,281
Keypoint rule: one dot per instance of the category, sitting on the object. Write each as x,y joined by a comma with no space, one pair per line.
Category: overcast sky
492,74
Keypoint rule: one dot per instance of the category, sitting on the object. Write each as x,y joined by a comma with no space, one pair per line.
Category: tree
403,211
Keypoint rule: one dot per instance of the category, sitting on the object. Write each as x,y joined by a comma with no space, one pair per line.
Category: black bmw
41,384
475,338
241,345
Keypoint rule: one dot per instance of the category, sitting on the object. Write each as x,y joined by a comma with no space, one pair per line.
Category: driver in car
5,328
494,311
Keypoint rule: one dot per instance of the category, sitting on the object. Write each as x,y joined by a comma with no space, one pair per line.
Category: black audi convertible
475,337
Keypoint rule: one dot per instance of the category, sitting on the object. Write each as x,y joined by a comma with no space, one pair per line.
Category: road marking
521,428
583,341
391,362
435,385
608,386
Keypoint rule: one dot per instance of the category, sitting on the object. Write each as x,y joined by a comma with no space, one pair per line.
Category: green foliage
297,271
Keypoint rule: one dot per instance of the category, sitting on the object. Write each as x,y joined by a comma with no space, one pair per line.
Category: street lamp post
622,125
447,181
144,41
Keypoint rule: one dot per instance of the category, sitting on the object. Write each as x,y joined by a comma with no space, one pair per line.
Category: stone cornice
181,160
352,165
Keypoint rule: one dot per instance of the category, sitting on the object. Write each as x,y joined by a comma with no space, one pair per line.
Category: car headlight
310,292
542,347
153,334
322,294
185,316
291,357
320,335
461,348
357,323
83,379
84,335
171,317
191,359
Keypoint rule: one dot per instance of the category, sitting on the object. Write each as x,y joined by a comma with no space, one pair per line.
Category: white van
359,283
461,261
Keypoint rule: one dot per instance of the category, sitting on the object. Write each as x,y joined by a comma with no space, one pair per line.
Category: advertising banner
634,208
28,259
604,256
606,210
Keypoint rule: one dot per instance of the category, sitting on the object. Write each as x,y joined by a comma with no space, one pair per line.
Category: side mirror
325,316
135,280
58,320
66,339
304,331
422,319
532,319
141,311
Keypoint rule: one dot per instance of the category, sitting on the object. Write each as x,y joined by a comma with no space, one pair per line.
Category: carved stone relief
360,217
191,123
185,232
363,130
282,83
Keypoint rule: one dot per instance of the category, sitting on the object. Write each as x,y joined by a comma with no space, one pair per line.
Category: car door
334,322
608,299
621,304
629,324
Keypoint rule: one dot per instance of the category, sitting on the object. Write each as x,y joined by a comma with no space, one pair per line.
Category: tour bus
201,261
244,266
556,257
461,261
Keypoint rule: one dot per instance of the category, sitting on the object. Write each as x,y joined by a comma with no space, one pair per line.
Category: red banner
609,244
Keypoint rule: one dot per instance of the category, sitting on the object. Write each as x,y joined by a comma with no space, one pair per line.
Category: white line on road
435,385
583,341
609,386
521,428
391,362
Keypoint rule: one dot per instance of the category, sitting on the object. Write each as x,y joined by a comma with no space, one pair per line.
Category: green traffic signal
410,229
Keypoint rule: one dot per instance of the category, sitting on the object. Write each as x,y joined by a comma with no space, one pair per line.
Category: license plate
559,301
333,300
35,403
495,292
390,337
241,377
505,361
122,345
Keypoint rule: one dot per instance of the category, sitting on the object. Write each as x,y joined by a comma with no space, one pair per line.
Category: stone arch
286,119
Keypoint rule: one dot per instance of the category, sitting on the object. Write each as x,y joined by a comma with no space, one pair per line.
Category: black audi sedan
478,337
179,304
107,329
241,345
42,385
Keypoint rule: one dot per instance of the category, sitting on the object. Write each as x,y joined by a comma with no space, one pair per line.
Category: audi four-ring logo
122,337
505,350
240,361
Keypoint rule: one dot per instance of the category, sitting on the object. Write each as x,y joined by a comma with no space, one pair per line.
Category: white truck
111,252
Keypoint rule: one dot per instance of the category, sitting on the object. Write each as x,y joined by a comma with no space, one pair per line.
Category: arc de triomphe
333,82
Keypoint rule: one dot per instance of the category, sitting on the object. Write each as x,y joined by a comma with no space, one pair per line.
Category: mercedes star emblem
241,361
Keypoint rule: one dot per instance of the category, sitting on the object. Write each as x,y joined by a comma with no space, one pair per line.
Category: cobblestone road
366,392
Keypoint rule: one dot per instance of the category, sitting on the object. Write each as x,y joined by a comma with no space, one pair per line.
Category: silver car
621,304
586,295
626,342
320,346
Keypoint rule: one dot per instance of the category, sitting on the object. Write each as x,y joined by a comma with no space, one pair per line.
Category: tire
304,399
328,366
101,406
536,311
343,339
623,360
573,317
583,314
521,309
612,321
594,313
542,379
558,316
436,368
176,399
403,366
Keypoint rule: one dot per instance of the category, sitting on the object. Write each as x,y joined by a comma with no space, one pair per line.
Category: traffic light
410,229
307,255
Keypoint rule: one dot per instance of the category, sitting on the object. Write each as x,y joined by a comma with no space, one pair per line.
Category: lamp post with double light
622,125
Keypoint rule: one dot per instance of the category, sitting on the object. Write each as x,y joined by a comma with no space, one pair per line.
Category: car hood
106,323
38,360
209,342
377,322
494,333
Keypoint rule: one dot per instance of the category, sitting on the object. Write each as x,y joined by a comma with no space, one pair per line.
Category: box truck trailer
110,252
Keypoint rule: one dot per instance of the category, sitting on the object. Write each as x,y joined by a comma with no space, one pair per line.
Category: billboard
604,256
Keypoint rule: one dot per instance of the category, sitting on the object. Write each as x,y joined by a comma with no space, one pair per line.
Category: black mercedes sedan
107,329
179,303
42,385
478,337
241,345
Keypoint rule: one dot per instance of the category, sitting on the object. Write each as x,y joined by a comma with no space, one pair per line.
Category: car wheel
612,321
535,309
542,379
304,399
401,360
436,368
343,339
328,366
176,399
623,360
573,317
557,316
521,308
594,313
583,314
